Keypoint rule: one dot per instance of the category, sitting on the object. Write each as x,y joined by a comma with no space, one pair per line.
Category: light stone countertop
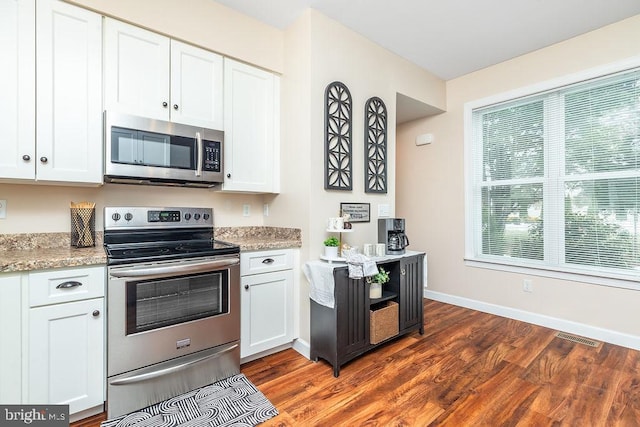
42,251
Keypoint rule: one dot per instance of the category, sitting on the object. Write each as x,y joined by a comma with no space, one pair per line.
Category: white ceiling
451,38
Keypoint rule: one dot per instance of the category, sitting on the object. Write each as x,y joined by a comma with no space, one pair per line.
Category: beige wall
318,52
204,23
44,208
310,54
431,189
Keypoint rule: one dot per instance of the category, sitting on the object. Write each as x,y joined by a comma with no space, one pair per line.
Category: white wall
431,195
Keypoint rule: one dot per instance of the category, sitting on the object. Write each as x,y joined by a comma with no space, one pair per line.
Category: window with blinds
555,179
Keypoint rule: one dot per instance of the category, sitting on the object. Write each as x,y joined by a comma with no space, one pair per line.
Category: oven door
164,310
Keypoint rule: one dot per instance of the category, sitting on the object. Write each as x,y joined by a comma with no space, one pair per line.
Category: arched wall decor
337,152
375,129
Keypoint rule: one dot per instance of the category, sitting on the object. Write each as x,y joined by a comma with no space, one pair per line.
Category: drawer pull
68,285
96,313
268,261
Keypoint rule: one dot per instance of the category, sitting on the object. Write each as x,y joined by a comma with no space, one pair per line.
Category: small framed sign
358,212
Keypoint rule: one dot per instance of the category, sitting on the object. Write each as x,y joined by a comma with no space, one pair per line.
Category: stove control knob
115,217
128,216
205,216
187,216
196,216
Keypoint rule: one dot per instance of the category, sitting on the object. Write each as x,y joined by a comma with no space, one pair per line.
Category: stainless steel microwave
147,151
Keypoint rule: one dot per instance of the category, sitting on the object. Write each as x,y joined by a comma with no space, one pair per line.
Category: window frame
473,175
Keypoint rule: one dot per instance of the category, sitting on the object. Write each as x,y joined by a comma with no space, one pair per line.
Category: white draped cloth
320,276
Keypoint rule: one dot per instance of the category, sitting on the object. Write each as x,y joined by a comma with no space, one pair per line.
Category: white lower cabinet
10,339
64,338
66,354
266,301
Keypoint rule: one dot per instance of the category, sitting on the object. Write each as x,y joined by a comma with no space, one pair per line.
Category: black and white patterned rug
233,401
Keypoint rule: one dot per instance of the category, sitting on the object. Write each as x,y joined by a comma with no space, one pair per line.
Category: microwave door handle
200,153
171,270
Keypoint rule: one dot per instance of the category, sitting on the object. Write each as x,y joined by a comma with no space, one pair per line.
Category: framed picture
359,212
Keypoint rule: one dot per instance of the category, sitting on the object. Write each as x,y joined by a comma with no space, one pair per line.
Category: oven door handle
171,270
165,371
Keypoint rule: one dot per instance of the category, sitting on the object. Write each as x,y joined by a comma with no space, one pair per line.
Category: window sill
601,279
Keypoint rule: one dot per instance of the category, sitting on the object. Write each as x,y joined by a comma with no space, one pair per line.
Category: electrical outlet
3,209
265,209
246,210
527,285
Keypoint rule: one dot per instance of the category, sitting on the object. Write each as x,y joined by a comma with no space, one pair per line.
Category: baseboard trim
302,347
601,334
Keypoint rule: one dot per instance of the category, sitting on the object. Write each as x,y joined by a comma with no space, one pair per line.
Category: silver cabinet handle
44,159
268,261
164,104
246,287
26,157
96,313
175,106
68,285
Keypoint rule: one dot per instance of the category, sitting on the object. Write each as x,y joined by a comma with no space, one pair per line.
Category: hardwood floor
468,369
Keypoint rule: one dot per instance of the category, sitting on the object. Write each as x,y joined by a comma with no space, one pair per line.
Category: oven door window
153,304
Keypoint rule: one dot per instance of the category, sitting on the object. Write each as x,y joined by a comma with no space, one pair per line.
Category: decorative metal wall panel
337,153
375,129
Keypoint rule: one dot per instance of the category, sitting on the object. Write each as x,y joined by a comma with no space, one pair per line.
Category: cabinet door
411,284
352,317
196,86
10,337
69,100
251,125
136,71
267,312
66,354
17,86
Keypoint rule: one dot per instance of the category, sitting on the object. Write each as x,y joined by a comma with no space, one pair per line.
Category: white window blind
556,179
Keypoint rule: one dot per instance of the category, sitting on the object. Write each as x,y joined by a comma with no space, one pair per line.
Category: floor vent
577,339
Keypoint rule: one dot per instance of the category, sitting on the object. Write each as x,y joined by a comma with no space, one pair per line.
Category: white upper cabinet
196,86
17,86
251,125
65,143
136,77
69,100
149,75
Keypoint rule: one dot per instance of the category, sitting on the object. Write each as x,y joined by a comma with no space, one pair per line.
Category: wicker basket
383,322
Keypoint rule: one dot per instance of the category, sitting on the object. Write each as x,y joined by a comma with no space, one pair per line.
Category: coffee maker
391,233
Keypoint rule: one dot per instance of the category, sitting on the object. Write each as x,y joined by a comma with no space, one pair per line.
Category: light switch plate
383,211
3,209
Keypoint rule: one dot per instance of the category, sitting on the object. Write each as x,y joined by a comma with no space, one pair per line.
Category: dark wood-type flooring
468,369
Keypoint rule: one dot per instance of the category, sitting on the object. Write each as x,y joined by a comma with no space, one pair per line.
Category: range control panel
153,217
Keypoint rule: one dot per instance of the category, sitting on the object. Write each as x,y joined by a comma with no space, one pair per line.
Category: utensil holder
83,227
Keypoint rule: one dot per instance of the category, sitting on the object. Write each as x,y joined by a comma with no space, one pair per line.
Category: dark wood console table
342,333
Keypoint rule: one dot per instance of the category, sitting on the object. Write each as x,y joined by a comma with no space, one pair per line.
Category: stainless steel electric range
173,302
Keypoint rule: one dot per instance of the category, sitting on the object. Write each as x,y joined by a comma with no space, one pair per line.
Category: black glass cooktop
132,246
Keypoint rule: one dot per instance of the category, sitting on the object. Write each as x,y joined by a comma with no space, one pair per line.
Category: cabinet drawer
57,286
265,261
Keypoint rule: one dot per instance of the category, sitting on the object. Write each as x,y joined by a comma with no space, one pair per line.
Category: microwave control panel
211,156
